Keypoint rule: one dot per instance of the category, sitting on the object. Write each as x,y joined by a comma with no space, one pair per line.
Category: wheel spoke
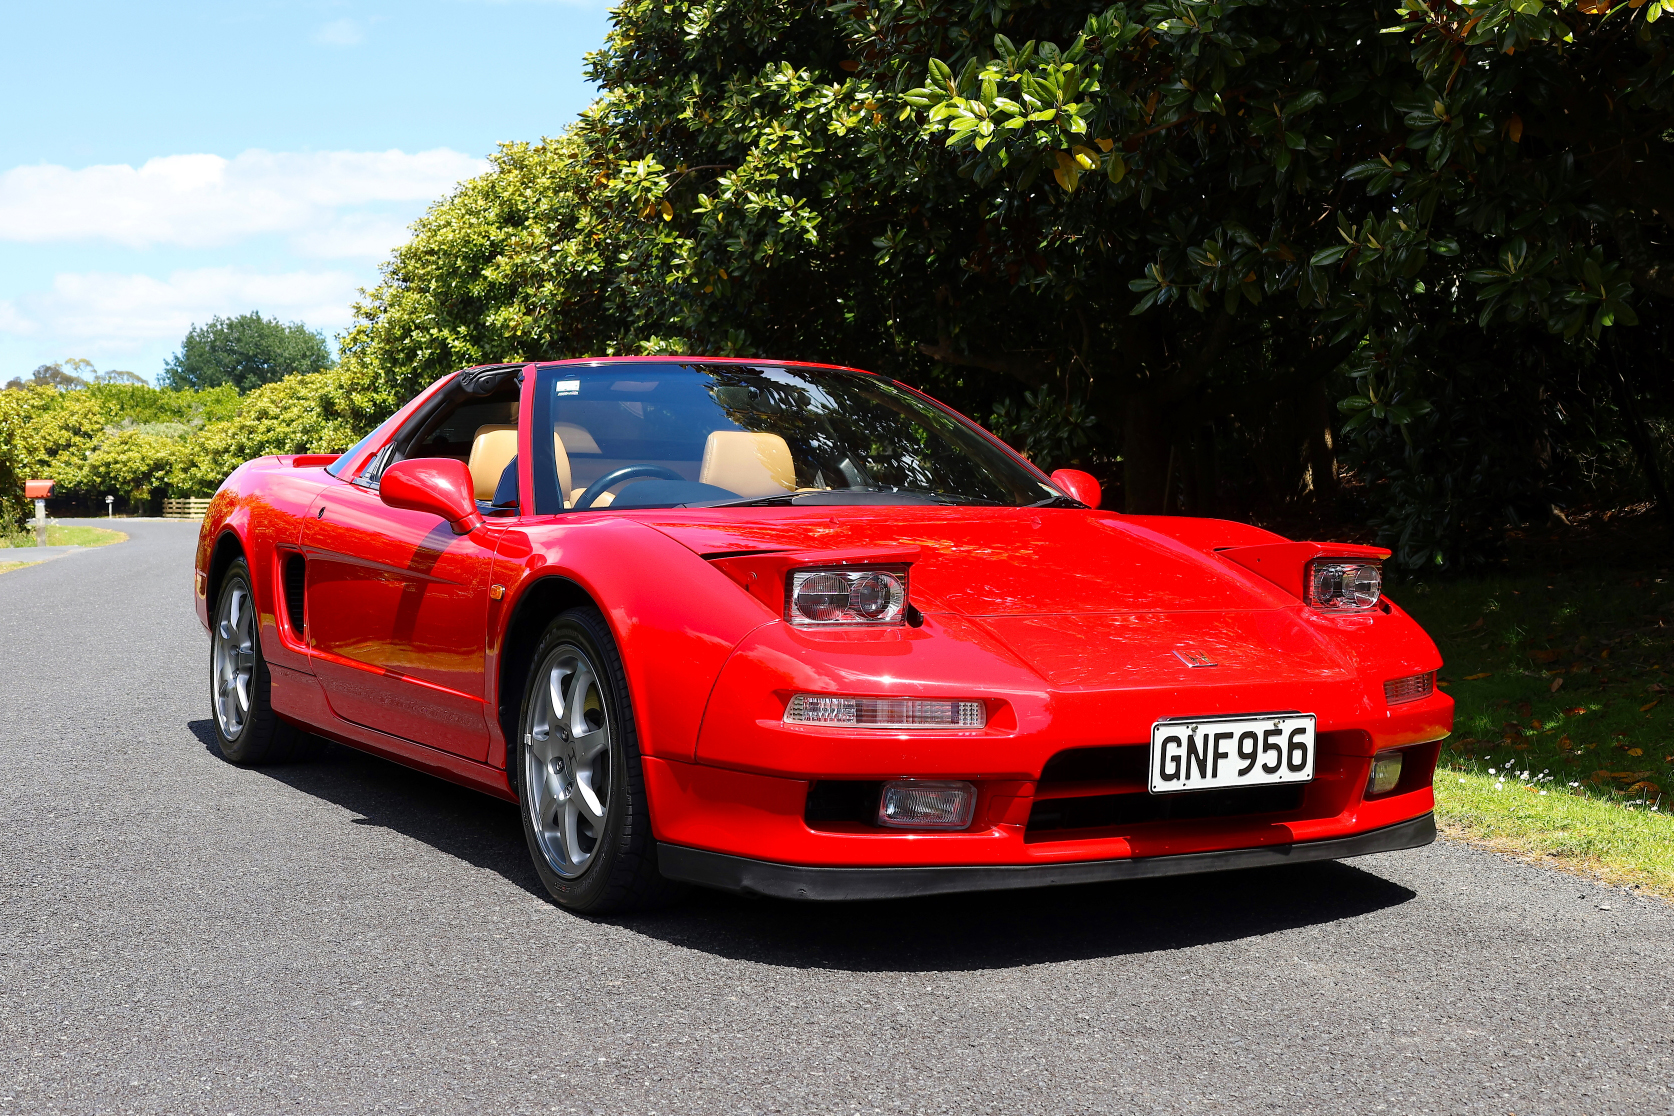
587,800
571,836
555,688
589,745
576,715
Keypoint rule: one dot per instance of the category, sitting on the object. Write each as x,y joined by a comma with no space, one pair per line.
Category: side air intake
296,578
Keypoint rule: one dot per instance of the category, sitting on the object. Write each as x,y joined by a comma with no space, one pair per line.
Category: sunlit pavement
179,935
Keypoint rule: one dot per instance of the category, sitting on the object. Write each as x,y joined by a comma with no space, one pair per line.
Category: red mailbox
38,489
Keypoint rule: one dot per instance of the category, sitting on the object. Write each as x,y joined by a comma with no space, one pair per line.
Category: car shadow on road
995,930
460,822
946,933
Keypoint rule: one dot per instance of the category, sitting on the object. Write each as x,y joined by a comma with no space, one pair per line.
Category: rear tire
576,767
247,730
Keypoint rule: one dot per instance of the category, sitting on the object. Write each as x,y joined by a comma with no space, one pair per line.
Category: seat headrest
491,450
747,463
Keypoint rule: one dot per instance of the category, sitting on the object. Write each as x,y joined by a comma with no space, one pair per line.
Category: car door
398,608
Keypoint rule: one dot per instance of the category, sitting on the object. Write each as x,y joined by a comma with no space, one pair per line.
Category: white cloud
198,201
340,33
104,313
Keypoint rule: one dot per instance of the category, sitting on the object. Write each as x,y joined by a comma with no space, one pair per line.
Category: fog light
862,712
1386,773
924,804
1411,688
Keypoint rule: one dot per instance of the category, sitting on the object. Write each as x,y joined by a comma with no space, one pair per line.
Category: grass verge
8,567
65,536
1590,836
1563,743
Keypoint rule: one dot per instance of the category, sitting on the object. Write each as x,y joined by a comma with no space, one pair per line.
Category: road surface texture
345,936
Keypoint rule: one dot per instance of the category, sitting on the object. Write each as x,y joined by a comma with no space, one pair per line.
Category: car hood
1085,598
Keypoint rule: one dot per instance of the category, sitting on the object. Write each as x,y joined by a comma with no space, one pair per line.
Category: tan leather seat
747,463
492,450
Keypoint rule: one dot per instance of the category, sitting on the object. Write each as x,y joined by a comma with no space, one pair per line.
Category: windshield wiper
749,501
1057,502
836,497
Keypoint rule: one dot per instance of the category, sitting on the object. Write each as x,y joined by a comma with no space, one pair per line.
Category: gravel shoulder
183,936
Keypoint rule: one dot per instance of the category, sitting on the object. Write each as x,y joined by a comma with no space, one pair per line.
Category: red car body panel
1064,622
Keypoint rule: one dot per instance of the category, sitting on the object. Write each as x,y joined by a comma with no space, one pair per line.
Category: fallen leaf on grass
1636,751
1605,654
1479,677
1648,705
1647,787
1575,712
1550,655
1557,684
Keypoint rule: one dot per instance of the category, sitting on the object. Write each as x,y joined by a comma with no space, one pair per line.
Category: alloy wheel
566,761
235,660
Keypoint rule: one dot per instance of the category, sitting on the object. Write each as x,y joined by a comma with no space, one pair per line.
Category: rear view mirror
1081,486
438,485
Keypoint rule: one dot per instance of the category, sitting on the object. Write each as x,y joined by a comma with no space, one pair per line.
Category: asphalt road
178,935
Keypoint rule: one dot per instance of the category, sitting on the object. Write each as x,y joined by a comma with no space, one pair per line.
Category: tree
1196,224
55,376
245,351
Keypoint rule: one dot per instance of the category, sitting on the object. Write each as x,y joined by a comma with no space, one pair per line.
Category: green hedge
140,444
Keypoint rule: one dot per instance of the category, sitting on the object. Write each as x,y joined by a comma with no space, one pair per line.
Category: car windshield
703,435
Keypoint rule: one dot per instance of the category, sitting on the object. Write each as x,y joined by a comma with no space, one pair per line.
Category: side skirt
299,700
789,881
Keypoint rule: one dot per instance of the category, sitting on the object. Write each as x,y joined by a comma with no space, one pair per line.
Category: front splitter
792,881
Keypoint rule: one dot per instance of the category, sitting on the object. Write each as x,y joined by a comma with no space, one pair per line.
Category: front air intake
296,580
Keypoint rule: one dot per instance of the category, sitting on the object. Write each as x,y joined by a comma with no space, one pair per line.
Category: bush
141,443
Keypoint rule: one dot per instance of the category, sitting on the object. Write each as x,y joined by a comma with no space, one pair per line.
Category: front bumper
792,881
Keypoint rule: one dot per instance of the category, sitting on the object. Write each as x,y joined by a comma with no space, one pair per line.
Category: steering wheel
617,476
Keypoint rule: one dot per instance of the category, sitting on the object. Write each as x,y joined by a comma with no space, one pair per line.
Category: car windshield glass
701,435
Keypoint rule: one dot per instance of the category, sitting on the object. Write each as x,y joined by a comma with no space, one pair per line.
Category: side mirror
438,485
1080,485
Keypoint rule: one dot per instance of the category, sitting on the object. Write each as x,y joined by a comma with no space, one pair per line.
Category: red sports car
801,631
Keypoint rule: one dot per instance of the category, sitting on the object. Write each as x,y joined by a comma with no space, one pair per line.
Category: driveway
179,936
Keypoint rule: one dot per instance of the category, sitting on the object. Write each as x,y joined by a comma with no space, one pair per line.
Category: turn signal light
926,804
1411,688
887,713
1343,585
847,596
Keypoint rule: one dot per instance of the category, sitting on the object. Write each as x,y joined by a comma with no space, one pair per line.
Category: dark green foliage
1177,233
246,352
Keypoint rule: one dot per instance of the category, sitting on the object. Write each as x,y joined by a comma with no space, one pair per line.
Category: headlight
1343,585
847,596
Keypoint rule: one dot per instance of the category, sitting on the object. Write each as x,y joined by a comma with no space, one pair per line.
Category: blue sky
161,164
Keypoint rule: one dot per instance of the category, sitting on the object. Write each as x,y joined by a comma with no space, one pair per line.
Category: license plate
1200,753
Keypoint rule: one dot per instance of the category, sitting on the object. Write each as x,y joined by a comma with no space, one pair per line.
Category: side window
468,428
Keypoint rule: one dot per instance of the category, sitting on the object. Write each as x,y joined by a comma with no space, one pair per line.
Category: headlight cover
861,595
1343,584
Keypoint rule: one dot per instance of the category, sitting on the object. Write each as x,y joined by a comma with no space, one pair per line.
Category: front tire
576,767
247,730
